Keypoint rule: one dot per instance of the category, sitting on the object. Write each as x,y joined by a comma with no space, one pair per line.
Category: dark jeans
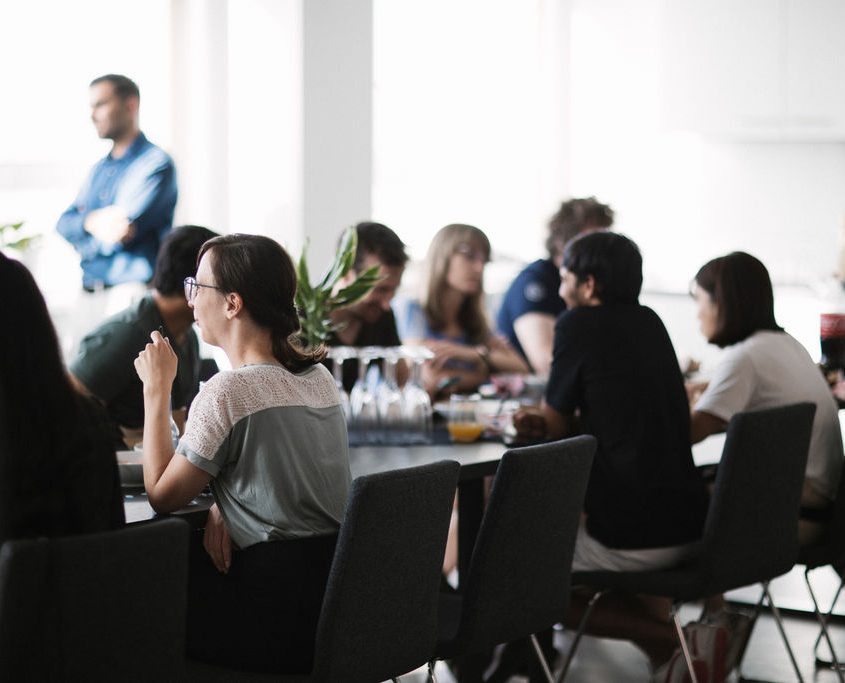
262,615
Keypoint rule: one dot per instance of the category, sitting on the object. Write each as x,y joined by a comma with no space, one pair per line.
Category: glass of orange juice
464,425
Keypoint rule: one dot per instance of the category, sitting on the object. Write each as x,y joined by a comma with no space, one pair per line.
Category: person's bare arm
544,423
170,482
536,332
704,424
502,357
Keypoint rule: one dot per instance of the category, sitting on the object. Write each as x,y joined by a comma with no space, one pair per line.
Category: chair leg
542,659
580,632
819,660
679,631
823,626
779,622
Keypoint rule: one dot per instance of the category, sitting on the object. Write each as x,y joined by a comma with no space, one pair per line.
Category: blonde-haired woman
451,319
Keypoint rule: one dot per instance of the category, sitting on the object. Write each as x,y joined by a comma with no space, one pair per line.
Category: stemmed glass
339,354
417,405
362,398
390,399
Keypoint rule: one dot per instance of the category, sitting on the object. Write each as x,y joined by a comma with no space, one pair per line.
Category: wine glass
339,354
390,399
417,405
362,398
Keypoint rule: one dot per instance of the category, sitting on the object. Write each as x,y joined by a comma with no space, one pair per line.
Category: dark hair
612,259
39,409
262,273
123,87
740,286
177,258
375,239
574,216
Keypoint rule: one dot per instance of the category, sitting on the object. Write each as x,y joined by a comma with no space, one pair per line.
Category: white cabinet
755,69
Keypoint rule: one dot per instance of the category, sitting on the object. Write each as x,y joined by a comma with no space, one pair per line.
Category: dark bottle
832,337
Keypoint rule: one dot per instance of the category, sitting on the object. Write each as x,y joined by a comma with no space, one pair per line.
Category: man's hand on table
216,540
530,424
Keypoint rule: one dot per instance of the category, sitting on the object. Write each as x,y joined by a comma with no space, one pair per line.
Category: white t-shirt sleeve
731,388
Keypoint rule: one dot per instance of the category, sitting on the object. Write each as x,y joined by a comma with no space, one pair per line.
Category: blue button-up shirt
143,183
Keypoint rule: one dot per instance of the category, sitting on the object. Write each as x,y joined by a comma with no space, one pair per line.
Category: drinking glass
464,425
362,398
417,405
390,399
339,354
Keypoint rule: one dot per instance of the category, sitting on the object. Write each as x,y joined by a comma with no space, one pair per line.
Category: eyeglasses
192,287
472,254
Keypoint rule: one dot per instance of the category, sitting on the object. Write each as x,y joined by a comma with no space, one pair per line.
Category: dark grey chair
99,607
518,582
379,615
751,531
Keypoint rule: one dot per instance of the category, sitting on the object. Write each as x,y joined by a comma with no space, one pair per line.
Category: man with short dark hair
104,365
370,322
125,207
615,376
531,304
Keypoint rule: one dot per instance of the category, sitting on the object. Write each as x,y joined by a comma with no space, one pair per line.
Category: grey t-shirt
105,363
275,443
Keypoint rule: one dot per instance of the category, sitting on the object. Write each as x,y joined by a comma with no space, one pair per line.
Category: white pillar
338,119
200,96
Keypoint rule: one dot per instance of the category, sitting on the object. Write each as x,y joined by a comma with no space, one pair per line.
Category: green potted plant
316,302
9,231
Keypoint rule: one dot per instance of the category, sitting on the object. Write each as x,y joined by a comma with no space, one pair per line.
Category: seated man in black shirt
104,365
615,375
370,322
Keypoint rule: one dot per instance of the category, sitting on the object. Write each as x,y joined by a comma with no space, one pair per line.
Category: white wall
683,197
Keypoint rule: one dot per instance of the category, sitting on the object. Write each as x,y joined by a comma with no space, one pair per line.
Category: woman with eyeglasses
270,438
762,367
451,319
58,472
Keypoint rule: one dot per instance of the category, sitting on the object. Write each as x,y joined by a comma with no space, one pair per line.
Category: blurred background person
125,206
532,303
103,366
58,471
370,321
451,319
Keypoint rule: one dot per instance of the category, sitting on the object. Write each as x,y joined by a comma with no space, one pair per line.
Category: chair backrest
379,615
518,579
104,606
751,532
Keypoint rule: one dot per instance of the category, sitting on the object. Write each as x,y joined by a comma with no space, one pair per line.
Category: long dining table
477,460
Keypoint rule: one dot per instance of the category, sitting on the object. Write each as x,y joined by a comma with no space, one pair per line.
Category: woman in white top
763,367
270,439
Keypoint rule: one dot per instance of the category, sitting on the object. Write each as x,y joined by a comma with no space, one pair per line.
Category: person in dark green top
104,366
